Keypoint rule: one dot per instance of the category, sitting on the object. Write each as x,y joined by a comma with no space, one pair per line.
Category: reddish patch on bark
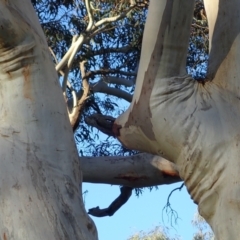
27,82
9,74
4,236
170,173
116,129
131,177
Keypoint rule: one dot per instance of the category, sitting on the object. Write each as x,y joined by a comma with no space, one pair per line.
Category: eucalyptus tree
40,170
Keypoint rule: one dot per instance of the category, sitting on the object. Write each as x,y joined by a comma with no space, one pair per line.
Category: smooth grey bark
140,170
193,124
39,169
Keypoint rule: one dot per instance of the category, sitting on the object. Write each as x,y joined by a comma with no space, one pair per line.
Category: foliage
159,233
204,232
198,44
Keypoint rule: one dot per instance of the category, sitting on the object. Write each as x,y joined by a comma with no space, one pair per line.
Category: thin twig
168,208
53,54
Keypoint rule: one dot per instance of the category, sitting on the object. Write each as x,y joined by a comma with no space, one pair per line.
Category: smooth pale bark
39,168
195,125
140,170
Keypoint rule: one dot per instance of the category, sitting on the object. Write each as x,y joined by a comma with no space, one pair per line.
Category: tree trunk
193,124
39,169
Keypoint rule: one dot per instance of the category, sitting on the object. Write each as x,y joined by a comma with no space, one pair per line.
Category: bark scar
27,82
131,177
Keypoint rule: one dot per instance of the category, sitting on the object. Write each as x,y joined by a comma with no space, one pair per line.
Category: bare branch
102,29
198,26
124,49
74,100
90,16
64,60
66,71
76,110
101,122
119,81
77,45
115,18
109,71
104,88
64,74
65,80
173,215
53,54
132,2
141,170
69,56
125,194
92,29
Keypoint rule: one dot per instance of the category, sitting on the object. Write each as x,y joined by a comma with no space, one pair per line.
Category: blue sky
141,213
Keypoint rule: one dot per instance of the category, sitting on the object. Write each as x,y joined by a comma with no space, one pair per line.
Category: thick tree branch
124,49
104,88
67,70
140,170
119,81
76,110
90,16
69,56
113,19
102,122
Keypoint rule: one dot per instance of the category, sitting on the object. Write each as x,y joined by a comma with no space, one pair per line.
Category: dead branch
125,194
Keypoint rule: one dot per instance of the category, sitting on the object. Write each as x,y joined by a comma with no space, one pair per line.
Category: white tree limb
141,170
124,49
113,19
90,16
119,81
76,109
102,87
